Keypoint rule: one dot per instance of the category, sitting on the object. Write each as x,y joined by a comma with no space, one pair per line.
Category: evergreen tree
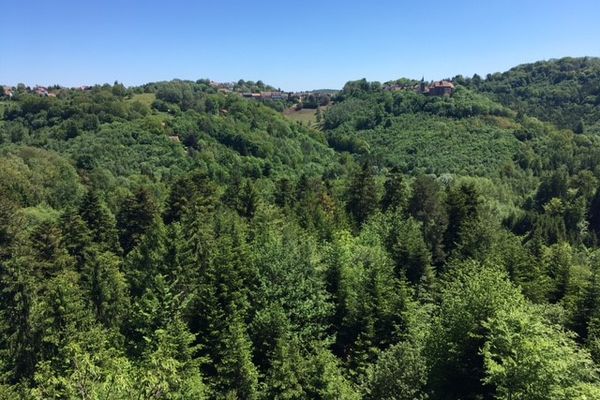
76,236
137,214
426,206
362,194
594,214
394,197
237,376
147,259
193,188
462,204
407,247
284,196
106,287
248,200
99,221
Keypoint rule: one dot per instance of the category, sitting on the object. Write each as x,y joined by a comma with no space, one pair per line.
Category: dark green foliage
563,91
99,220
362,194
408,249
425,205
394,196
462,207
594,214
135,217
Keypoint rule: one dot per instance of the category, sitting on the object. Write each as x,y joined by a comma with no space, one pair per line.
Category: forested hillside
565,92
170,241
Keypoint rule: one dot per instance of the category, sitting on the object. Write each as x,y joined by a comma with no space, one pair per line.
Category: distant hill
467,133
565,92
165,126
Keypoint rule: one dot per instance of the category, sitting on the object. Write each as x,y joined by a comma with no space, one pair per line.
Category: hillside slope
565,92
466,133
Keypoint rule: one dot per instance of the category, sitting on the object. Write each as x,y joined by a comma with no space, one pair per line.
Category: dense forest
171,241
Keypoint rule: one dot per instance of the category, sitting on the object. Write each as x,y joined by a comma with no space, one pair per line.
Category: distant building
266,95
279,96
41,91
8,91
441,88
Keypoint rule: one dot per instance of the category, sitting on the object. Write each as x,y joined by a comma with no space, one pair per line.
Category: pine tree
408,249
285,377
169,368
100,221
59,317
18,337
462,205
284,193
237,376
394,197
580,127
594,214
362,194
26,282
196,188
137,214
248,200
106,287
426,206
147,259
76,236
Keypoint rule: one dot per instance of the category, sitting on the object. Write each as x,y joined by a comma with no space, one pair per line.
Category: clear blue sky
294,45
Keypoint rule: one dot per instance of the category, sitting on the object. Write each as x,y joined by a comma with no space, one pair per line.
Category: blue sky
291,44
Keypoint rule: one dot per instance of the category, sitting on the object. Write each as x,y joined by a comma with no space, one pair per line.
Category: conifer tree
362,194
237,376
394,196
137,214
100,221
148,258
462,205
426,206
76,236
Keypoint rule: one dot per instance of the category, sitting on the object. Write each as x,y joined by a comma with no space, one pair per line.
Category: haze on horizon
292,46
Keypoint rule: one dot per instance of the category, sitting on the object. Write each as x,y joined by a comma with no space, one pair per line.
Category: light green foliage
527,358
369,299
470,295
399,374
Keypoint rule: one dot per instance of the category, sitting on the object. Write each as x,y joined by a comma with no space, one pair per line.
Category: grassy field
306,116
144,98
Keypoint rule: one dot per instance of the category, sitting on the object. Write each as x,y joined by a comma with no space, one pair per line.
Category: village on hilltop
442,88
